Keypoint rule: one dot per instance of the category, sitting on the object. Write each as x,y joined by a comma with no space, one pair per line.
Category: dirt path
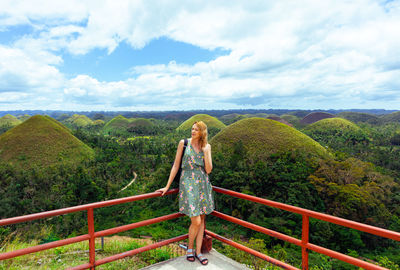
130,183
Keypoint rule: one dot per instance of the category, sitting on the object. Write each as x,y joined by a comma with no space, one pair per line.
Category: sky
193,55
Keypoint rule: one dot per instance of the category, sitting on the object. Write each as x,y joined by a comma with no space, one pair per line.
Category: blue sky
174,55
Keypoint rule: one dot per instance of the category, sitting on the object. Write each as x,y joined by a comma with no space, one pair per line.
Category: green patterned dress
195,190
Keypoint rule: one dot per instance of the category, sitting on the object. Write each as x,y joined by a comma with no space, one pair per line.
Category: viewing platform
216,261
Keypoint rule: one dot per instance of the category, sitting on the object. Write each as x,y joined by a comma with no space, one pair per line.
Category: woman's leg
199,241
199,235
193,230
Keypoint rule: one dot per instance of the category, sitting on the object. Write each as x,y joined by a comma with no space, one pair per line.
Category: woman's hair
203,132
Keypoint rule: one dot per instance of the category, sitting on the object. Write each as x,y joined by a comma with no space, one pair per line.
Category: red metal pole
304,242
251,251
136,225
345,258
332,219
92,247
59,243
63,211
140,250
257,228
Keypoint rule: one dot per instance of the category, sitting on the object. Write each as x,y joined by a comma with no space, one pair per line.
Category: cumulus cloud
309,54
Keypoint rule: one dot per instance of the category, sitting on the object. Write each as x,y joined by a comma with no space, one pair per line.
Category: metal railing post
304,242
92,247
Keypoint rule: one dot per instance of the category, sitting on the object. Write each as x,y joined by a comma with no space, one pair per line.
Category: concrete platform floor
215,261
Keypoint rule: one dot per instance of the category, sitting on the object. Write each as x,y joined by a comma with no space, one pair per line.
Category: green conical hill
98,122
78,120
332,130
292,119
9,120
262,137
210,121
391,117
118,123
24,117
228,119
314,117
356,117
42,141
141,122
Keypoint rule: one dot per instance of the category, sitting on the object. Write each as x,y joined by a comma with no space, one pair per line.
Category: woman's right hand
162,190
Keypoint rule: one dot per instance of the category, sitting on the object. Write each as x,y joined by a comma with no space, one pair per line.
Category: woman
195,190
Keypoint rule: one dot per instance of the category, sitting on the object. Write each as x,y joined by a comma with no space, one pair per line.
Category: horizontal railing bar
332,219
255,227
251,251
81,267
140,250
343,257
24,251
136,225
63,211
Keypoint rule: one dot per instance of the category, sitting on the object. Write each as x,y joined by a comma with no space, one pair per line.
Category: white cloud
281,53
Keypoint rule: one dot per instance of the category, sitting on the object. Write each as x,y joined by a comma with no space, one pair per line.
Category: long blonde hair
203,133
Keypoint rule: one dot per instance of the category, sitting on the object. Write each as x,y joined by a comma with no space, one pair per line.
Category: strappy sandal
203,260
190,256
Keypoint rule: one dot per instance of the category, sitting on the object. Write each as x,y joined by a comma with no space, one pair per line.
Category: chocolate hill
263,137
42,141
210,121
314,117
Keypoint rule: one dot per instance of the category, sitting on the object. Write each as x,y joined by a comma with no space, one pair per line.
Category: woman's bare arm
174,169
207,158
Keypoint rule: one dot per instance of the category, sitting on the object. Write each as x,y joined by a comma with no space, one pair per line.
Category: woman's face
195,132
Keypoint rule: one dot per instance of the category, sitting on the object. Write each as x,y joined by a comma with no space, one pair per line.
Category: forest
341,163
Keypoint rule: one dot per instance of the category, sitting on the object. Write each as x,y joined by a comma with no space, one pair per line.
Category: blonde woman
195,190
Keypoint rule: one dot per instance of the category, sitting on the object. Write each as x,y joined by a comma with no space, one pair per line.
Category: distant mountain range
184,114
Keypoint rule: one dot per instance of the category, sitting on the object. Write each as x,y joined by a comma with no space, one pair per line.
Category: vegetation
78,121
262,137
391,117
10,120
336,130
116,126
352,174
357,117
210,121
294,120
314,117
7,122
42,141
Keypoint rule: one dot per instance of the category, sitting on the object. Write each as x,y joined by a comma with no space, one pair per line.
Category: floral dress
195,190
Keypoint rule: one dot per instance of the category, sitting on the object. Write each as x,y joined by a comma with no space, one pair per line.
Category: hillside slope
42,141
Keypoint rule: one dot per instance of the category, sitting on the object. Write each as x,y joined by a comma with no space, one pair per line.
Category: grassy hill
357,117
292,119
277,118
228,119
391,117
117,124
98,122
9,120
335,130
78,120
42,141
262,137
210,121
314,117
24,117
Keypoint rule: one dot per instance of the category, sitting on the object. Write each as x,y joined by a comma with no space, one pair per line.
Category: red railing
303,243
92,235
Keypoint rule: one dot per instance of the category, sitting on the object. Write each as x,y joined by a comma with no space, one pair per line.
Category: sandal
189,255
203,260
